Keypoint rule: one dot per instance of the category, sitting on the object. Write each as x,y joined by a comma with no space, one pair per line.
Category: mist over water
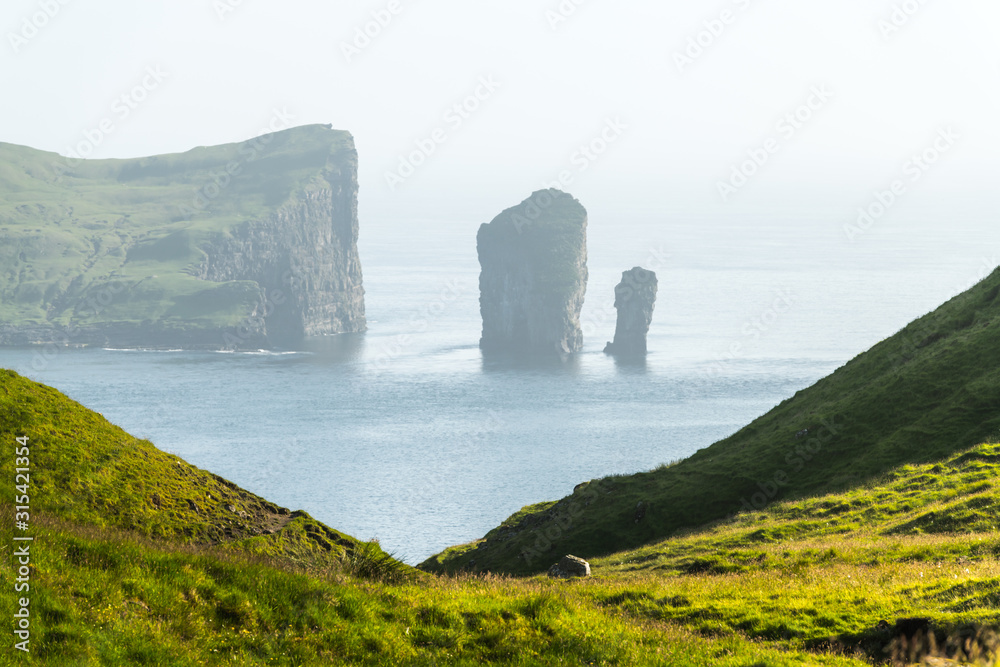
805,179
408,434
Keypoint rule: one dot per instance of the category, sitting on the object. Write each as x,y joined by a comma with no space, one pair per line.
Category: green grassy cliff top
210,185
120,243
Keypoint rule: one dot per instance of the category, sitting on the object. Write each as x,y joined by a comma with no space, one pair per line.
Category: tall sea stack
635,297
534,275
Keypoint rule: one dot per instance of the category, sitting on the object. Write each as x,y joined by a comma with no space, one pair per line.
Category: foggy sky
884,79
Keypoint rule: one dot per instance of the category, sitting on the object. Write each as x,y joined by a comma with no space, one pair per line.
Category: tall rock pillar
635,297
534,275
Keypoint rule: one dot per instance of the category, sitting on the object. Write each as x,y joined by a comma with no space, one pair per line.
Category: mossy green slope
920,541
799,583
905,515
102,598
89,243
930,390
86,471
128,568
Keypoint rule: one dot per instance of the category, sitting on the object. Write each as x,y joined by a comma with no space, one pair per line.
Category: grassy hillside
103,598
86,242
821,573
88,472
140,559
930,390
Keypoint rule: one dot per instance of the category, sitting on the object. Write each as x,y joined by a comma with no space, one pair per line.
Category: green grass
887,511
923,541
118,579
106,598
929,391
731,595
89,472
821,573
75,232
122,578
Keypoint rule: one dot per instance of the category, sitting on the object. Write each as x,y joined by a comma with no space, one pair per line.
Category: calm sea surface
407,434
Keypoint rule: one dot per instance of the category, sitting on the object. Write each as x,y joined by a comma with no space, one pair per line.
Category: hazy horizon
884,80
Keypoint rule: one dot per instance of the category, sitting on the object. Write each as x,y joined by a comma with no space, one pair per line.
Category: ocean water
407,434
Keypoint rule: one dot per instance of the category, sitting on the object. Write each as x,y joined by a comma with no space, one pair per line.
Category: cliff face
534,275
635,297
305,259
238,246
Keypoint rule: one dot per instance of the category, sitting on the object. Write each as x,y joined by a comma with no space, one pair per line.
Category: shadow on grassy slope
90,472
118,579
930,390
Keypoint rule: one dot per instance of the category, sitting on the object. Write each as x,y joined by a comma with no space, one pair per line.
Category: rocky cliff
534,275
238,246
304,257
635,297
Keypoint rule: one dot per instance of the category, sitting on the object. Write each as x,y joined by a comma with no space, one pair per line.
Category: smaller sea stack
635,297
